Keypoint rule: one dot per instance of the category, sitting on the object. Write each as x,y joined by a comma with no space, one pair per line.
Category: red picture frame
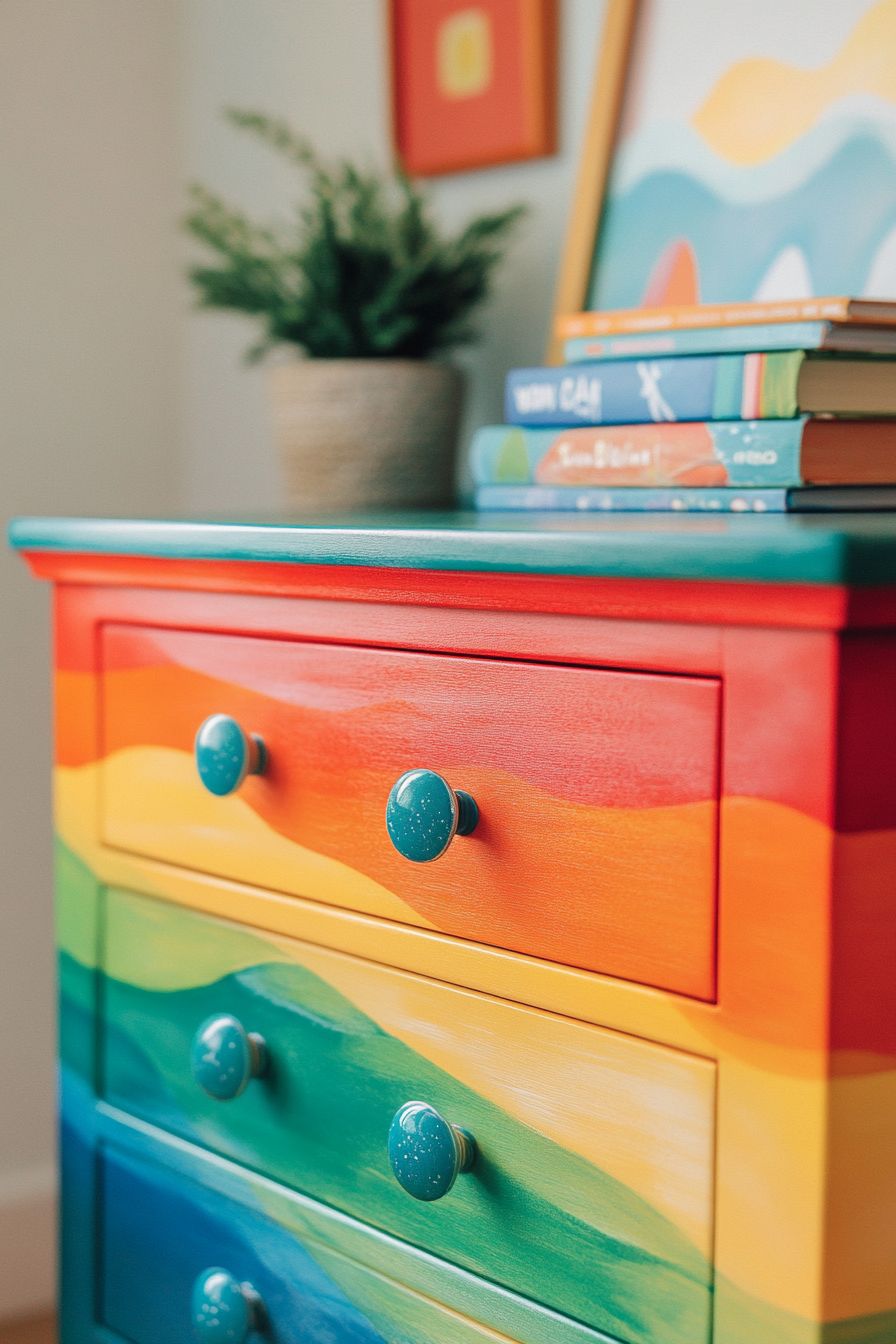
473,82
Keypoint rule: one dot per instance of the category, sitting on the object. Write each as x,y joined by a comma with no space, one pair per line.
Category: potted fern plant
370,295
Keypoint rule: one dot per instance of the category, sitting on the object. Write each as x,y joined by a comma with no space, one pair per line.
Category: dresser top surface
849,549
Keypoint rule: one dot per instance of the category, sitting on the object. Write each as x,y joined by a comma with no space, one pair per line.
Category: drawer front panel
597,791
592,1190
161,1232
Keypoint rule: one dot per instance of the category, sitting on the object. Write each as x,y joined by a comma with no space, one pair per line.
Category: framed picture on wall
727,162
473,82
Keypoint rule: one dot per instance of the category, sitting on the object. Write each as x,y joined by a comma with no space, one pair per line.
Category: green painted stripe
742,1319
834,549
77,909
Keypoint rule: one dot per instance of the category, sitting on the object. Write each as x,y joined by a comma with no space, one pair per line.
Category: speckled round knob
225,754
225,1057
224,1309
427,1152
424,814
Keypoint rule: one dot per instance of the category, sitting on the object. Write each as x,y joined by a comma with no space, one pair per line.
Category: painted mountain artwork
755,160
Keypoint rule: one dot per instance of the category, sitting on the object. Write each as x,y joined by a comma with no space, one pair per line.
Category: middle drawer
591,1191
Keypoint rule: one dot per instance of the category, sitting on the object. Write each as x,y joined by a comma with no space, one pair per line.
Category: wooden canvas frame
594,162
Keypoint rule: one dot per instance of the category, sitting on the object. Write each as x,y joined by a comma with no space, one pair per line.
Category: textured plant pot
366,433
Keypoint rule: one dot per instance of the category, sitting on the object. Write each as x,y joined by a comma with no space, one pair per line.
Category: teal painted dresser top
854,549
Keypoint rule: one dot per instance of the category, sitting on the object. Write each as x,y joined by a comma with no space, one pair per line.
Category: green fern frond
364,271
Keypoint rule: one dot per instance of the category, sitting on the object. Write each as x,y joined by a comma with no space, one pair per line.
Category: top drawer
596,844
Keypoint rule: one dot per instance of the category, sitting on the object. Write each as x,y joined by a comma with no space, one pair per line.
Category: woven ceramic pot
366,433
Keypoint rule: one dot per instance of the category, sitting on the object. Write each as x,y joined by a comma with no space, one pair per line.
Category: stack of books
749,408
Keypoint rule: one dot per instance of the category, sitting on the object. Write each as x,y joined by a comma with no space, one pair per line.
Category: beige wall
322,63
115,398
90,317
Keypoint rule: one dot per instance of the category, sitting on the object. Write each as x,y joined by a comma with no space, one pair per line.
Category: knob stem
257,1315
258,1054
258,755
467,812
466,1148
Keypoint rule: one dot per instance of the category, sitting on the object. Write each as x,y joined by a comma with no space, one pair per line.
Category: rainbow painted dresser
476,930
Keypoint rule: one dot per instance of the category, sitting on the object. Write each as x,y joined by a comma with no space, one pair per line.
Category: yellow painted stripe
861,1192
638,1111
156,787
771,1136
807,1190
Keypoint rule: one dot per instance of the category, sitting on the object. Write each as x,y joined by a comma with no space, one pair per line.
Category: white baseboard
28,1242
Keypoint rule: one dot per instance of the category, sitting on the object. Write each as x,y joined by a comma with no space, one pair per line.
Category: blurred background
116,397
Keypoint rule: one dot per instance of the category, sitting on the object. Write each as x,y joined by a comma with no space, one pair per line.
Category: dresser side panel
771,1037
860,1270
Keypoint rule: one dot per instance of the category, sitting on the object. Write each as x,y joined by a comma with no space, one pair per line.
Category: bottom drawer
161,1232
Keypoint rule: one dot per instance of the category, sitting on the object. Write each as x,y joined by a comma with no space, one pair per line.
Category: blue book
639,391
637,499
716,453
633,499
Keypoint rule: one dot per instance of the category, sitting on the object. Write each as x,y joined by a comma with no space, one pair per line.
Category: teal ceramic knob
225,754
225,1057
424,814
224,1309
427,1152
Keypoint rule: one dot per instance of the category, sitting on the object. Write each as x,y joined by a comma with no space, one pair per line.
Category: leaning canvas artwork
754,160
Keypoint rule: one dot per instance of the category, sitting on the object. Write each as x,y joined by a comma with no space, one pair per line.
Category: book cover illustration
739,453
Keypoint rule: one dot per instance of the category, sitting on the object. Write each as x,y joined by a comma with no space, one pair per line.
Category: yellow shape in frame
761,106
464,54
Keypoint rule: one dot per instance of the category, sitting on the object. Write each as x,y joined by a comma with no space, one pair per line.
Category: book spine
643,391
724,453
568,325
635,500
699,341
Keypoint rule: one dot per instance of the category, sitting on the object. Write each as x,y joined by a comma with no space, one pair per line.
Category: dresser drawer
592,1187
161,1232
597,791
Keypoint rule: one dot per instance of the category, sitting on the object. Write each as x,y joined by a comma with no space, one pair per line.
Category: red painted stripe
800,606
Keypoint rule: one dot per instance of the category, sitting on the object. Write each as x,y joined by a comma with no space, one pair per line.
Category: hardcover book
867,312
815,499
763,336
722,453
701,387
